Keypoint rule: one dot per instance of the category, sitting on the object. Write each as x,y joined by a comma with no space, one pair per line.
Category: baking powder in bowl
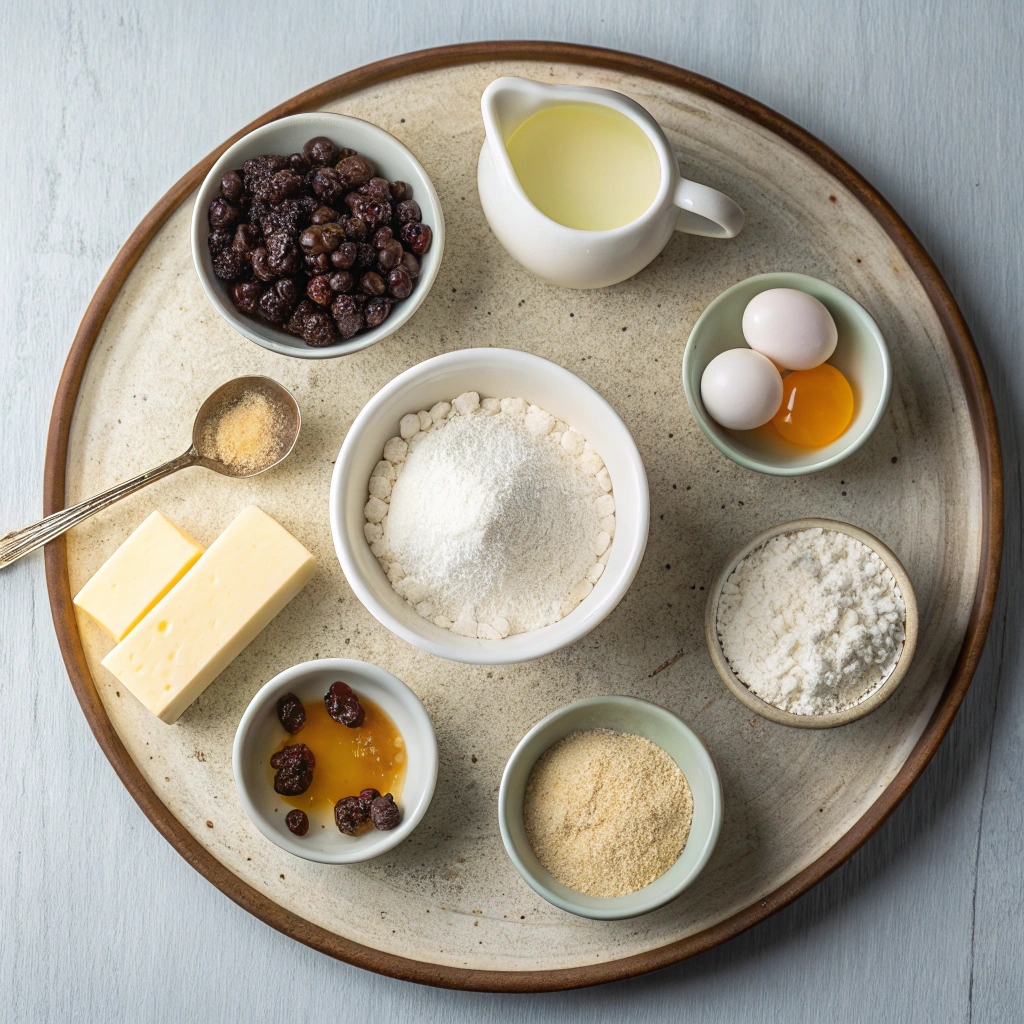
812,621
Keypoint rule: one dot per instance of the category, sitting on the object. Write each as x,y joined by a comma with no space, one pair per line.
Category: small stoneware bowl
494,373
874,699
861,356
621,714
260,733
288,135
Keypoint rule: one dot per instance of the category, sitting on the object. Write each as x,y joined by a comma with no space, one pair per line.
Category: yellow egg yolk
817,406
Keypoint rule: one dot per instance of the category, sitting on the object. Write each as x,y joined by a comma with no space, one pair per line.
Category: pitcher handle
706,211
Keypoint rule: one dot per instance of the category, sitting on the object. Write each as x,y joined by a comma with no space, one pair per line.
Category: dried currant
319,290
294,769
417,237
231,186
399,191
297,321
371,283
411,264
298,163
382,236
384,813
344,256
354,170
324,215
219,240
367,796
326,182
343,705
369,211
261,264
290,713
377,311
408,211
320,151
229,265
318,264
288,290
317,330
246,296
355,229
222,214
272,307
366,255
297,822
246,238
321,238
350,815
389,255
377,189
283,184
341,281
399,283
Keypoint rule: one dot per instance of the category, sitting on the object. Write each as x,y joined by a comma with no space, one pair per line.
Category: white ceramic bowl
259,734
623,714
288,135
496,373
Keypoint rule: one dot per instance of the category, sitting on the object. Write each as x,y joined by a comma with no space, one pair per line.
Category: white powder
490,518
812,621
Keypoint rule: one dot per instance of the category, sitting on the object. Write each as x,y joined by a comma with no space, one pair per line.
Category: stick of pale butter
250,572
137,575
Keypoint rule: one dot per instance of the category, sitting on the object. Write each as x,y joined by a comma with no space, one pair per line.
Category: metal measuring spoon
202,452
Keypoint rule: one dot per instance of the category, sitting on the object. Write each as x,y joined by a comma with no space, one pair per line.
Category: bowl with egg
610,807
270,253
786,374
489,506
335,761
812,624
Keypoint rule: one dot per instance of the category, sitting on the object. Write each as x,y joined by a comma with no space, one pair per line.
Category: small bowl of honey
861,358
373,736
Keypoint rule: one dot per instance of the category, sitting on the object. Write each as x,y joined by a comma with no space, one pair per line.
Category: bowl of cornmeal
610,807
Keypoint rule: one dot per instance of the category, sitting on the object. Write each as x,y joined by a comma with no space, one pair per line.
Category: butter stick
137,575
190,636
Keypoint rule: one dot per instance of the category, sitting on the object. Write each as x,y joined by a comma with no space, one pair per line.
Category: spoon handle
20,542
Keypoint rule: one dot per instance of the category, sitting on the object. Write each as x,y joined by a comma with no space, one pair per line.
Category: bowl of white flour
489,507
812,623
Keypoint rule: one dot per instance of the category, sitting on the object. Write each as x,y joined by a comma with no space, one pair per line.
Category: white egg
741,389
793,329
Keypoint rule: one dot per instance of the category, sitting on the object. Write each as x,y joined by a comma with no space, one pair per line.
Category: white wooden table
102,107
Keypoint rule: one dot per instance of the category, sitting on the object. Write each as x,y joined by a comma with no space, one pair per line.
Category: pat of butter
250,572
137,575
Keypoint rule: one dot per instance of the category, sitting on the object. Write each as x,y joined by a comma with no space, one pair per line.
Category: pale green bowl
623,714
861,356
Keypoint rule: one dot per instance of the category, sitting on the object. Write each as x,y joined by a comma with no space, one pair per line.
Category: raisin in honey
348,760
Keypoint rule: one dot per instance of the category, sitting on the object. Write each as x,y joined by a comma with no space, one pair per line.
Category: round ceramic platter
447,907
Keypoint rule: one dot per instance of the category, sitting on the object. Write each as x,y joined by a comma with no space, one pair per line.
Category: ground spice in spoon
246,436
607,812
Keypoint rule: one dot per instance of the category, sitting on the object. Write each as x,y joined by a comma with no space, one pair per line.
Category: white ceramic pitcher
568,256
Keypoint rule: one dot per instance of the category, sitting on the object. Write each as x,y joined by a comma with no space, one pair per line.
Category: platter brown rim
980,406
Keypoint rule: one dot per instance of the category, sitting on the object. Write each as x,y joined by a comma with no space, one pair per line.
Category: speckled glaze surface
449,895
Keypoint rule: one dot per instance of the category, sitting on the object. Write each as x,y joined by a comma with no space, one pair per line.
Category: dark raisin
283,254
417,237
320,151
231,186
340,281
349,324
319,290
284,184
370,211
246,296
390,255
219,240
222,214
399,191
272,307
297,321
289,217
411,264
246,238
372,283
318,264
354,170
384,813
288,290
290,713
367,796
408,211
321,238
382,236
366,255
399,283
377,189
349,815
343,705
344,256
344,305
355,229
324,215
261,264
294,769
299,164
297,822
326,182
229,265
318,330
377,311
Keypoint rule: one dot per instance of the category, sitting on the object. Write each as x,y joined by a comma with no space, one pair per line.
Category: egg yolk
817,406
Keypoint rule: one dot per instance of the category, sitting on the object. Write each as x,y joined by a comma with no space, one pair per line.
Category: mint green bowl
861,356
623,714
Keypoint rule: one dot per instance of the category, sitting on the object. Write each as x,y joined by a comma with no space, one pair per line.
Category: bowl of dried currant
335,761
317,235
